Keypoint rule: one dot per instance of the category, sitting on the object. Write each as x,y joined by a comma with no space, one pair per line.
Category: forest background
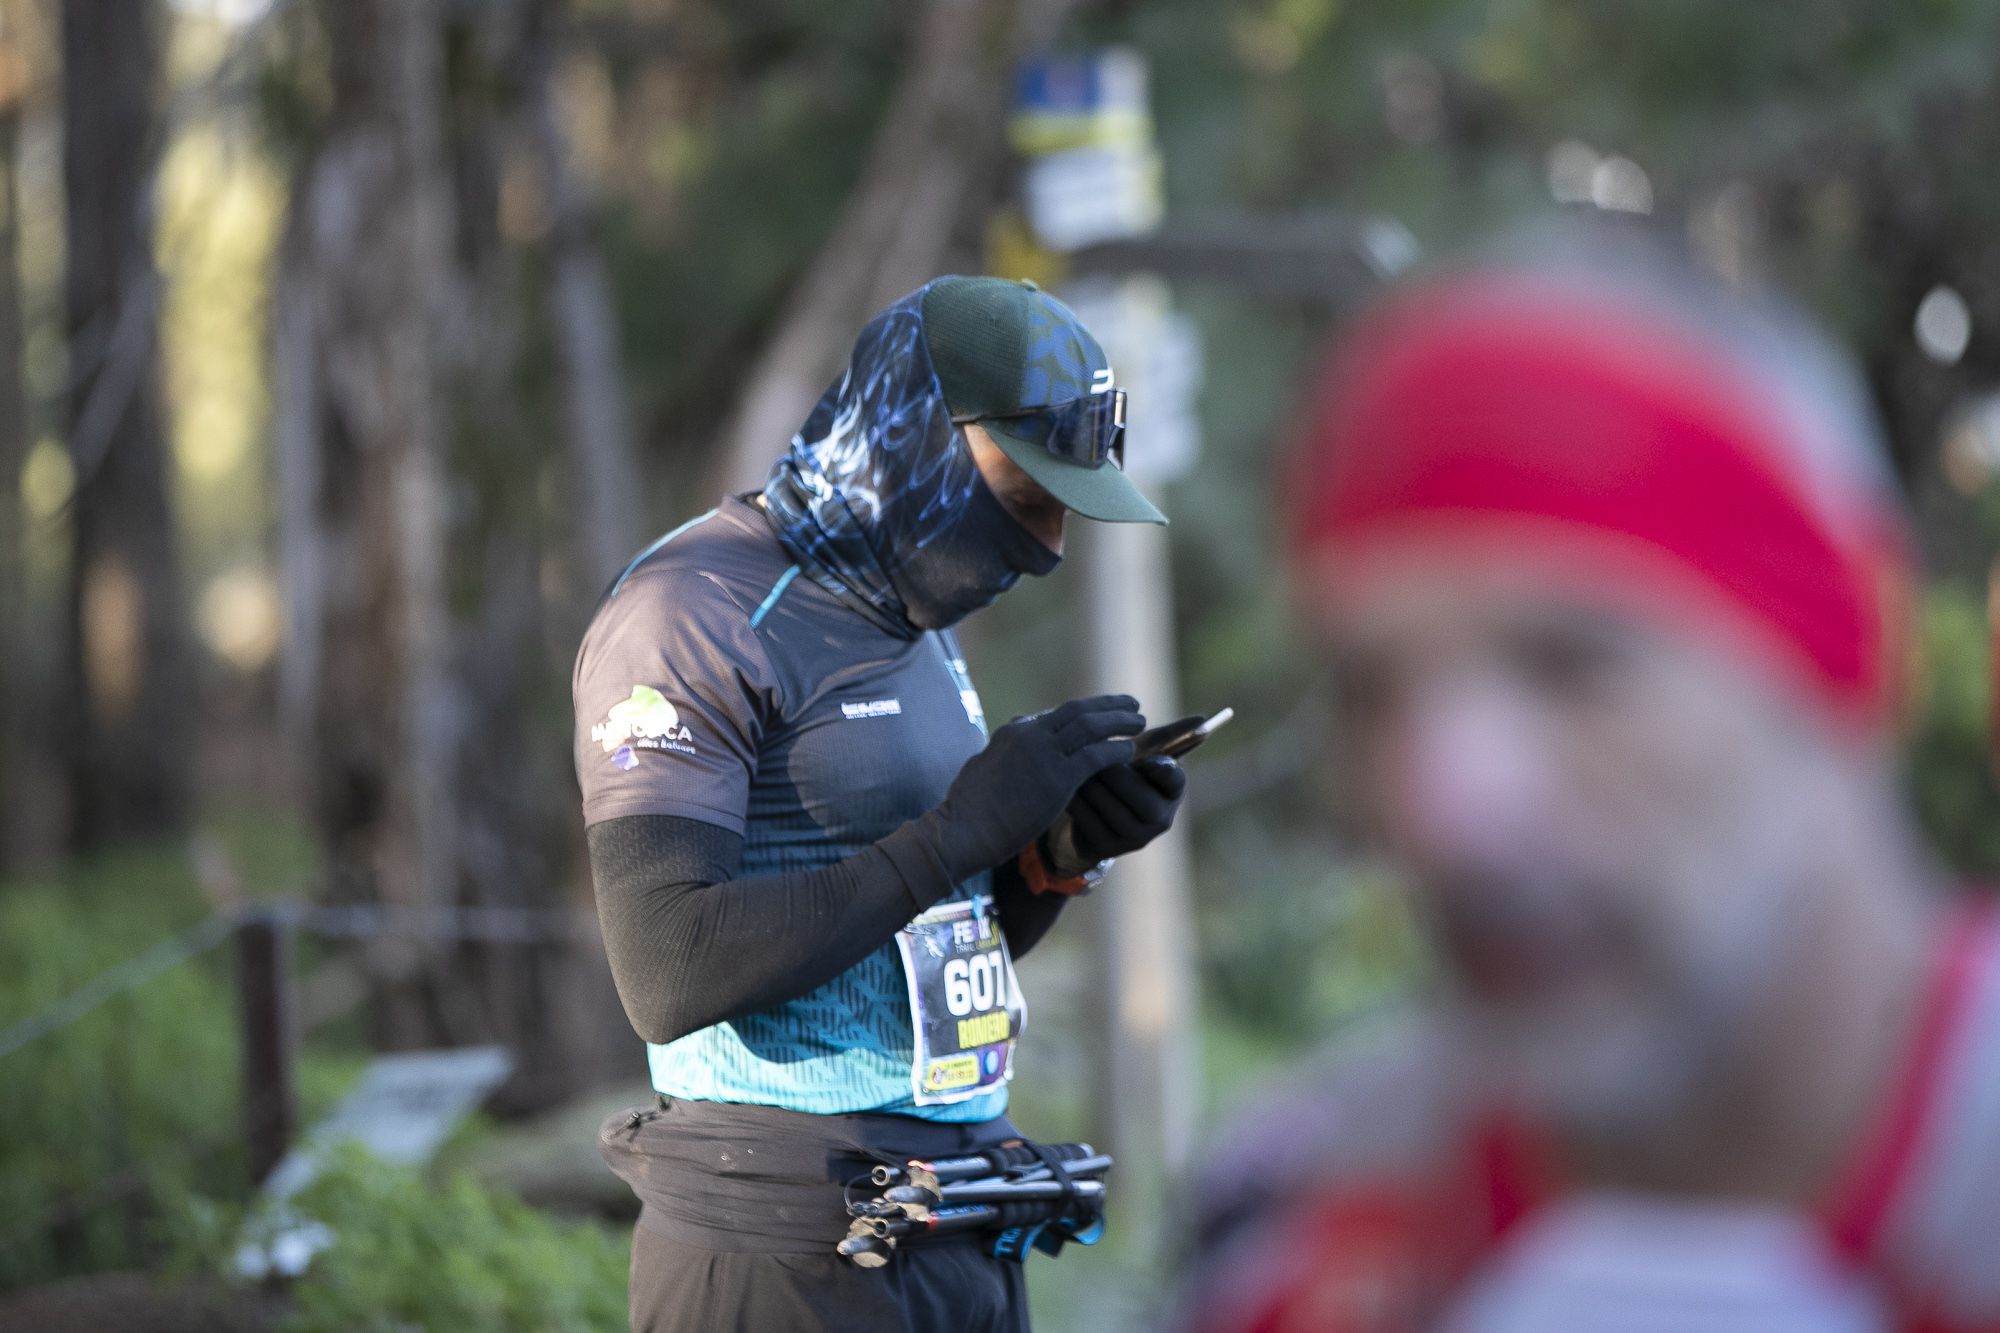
348,347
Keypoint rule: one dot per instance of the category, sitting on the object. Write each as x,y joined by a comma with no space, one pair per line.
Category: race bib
966,1010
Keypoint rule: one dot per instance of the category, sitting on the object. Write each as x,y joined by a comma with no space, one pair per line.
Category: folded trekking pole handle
1017,1192
993,1162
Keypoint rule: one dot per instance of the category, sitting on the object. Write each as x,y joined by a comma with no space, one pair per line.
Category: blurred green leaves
126,1102
409,1252
413,1250
138,1101
1951,758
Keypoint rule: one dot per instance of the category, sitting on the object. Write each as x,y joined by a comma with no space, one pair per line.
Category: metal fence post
264,1003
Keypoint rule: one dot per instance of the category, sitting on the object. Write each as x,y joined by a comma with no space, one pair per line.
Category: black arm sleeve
691,945
1024,914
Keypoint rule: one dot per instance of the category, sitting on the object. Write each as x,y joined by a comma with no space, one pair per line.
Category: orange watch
1041,879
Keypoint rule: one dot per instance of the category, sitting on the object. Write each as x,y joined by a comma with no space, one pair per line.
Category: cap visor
1103,493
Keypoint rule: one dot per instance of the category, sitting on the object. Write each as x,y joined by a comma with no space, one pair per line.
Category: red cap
1526,416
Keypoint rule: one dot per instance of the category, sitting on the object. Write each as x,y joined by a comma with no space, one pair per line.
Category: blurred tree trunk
127,723
13,453
608,485
363,481
406,361
941,143
502,135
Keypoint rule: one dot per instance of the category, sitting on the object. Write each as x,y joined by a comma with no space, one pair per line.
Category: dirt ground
136,1303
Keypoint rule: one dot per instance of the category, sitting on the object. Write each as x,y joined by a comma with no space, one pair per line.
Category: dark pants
946,1288
741,1207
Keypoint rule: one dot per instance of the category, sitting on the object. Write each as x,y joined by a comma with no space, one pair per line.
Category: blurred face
1608,830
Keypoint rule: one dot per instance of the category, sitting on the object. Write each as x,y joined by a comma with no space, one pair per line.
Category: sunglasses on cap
1087,430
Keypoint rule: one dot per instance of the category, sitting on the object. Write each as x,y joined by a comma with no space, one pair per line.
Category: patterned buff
1694,462
879,499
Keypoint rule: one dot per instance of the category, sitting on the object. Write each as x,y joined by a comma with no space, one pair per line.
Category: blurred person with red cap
1612,584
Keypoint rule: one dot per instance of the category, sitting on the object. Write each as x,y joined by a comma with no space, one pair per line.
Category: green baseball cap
1020,363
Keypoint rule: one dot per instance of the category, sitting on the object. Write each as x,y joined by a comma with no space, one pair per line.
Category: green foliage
138,1101
1951,755
410,1253
744,185
135,1098
1307,940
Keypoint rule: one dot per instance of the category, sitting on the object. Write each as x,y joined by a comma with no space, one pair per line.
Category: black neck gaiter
969,564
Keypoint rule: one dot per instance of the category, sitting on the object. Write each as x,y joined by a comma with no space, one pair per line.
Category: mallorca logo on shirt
646,721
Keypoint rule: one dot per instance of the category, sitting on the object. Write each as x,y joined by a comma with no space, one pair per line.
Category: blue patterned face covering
879,500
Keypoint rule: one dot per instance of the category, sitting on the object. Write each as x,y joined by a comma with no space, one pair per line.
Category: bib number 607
974,984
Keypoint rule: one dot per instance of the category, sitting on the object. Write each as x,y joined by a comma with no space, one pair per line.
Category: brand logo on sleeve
873,708
646,721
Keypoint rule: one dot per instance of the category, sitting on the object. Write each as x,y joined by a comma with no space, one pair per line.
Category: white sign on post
1089,195
1093,173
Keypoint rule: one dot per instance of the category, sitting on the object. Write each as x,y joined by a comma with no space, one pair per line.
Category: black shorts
741,1207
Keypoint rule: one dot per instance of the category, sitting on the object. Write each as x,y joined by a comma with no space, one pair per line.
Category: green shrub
138,1101
412,1253
1310,939
1951,753
137,1097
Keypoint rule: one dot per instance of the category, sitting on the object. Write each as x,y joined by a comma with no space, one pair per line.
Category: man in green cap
799,827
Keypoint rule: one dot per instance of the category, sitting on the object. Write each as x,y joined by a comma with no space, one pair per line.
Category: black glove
1125,807
1013,789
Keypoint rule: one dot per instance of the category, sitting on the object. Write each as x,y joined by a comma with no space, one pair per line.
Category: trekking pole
917,1200
1016,1192
993,1162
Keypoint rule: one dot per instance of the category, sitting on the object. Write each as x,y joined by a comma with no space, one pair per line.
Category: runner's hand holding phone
1126,806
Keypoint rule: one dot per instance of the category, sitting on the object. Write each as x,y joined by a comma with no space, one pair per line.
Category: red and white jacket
1380,1199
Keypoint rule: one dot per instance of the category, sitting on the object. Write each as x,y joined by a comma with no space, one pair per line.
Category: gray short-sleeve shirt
715,683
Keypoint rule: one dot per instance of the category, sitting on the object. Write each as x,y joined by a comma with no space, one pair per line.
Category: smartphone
1176,738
